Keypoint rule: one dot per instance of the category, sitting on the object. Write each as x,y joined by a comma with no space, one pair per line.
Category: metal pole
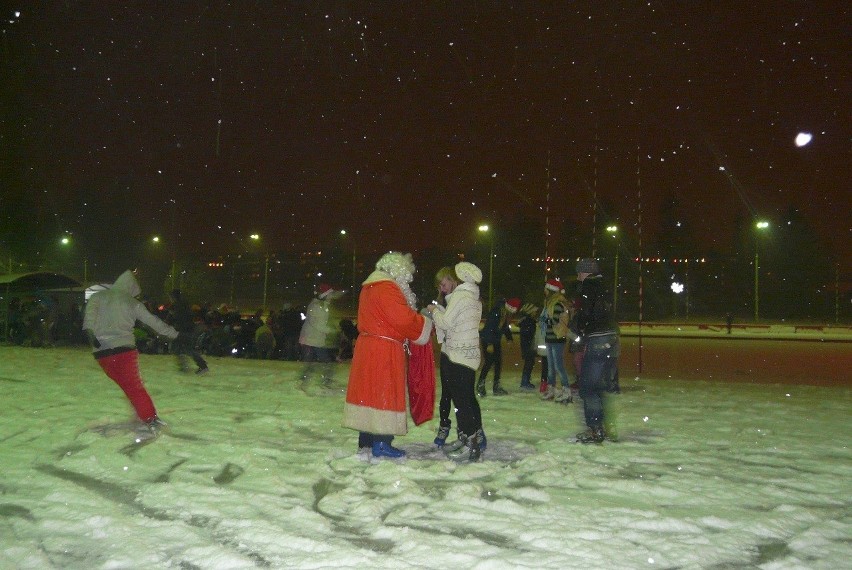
615,287
756,273
491,273
836,293
233,273
265,278
354,279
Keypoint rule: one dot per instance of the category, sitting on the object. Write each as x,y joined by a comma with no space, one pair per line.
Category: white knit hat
468,272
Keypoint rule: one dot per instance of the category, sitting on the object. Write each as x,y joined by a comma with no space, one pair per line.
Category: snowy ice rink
258,473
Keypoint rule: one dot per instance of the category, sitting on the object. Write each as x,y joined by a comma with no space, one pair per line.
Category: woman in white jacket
457,327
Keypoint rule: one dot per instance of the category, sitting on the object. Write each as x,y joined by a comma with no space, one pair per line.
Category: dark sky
409,123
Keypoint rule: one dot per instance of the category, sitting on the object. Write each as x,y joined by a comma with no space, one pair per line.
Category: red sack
421,382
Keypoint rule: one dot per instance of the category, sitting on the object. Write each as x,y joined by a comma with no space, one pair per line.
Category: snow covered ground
258,473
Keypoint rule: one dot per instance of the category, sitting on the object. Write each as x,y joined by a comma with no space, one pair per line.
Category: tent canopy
37,281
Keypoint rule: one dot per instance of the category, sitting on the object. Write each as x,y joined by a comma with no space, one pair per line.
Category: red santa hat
512,305
324,290
554,285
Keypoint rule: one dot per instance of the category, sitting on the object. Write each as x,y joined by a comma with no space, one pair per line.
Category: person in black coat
492,333
184,346
529,352
594,326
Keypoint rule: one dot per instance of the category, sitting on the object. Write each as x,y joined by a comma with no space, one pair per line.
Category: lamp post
613,231
760,225
256,237
344,234
155,243
484,228
66,242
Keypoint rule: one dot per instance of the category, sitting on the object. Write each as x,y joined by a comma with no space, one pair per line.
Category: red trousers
123,368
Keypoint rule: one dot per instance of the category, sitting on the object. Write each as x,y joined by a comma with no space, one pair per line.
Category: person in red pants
108,321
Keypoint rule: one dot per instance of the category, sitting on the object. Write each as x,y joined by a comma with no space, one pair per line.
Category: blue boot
384,449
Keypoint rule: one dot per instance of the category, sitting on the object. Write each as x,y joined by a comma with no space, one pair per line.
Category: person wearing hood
387,322
457,328
109,320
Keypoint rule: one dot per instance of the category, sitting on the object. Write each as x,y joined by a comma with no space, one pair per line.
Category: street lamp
760,225
344,234
613,231
155,241
66,242
256,237
484,228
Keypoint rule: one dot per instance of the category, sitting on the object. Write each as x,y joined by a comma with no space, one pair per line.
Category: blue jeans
597,375
556,363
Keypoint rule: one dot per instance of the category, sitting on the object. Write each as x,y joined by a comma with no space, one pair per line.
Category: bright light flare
802,139
677,287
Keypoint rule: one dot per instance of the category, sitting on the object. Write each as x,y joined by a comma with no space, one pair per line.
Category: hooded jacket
111,315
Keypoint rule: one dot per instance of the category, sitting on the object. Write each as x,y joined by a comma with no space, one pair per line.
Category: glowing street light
613,231
484,228
66,241
256,237
760,225
344,234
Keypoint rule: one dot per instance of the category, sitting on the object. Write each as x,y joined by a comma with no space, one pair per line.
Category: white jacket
111,315
457,325
319,329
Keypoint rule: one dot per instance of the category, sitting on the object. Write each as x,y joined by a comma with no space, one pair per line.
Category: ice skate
563,396
480,388
549,394
443,434
591,435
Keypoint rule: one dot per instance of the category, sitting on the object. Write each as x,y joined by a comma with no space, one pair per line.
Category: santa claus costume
387,322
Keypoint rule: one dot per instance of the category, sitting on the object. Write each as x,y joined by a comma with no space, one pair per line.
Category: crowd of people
41,321
391,335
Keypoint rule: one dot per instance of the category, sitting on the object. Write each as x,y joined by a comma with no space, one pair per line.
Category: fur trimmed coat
375,399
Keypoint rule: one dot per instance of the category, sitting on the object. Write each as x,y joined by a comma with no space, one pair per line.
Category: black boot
480,388
498,389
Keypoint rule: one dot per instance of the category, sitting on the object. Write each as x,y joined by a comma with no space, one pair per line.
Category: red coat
375,400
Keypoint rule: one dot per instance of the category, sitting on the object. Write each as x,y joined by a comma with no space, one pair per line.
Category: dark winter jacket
594,317
496,325
180,316
526,326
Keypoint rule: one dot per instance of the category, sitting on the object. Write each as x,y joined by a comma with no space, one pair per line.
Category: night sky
410,123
